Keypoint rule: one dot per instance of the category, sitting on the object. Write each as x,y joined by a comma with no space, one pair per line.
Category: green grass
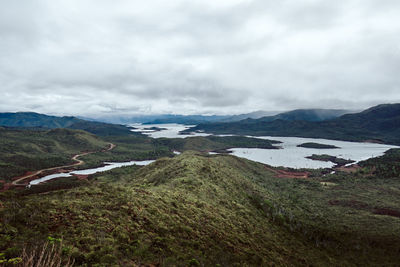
211,210
29,150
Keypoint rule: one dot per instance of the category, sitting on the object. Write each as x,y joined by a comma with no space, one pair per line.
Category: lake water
290,155
108,166
171,130
295,157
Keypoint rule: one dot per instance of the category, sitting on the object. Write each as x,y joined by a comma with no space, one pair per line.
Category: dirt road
75,158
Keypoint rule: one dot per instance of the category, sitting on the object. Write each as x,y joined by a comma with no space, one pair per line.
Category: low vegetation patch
338,161
317,145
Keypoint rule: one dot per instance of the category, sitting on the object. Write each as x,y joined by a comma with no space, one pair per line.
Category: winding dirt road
75,158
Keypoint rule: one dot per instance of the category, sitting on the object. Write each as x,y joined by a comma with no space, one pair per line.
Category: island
316,145
338,161
155,129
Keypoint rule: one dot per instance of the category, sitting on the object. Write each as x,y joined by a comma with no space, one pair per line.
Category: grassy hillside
28,150
380,123
31,119
196,209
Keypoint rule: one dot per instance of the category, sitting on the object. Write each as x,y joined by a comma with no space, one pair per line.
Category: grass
209,210
29,150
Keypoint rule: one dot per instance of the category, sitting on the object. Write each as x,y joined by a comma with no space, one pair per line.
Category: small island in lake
155,129
316,145
338,161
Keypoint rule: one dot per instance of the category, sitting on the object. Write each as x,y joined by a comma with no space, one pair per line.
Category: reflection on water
171,130
290,155
108,166
295,157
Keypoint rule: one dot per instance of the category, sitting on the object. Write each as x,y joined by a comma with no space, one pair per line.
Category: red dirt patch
355,204
289,174
386,211
349,169
81,176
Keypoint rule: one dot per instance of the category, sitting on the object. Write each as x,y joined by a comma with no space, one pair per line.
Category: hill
380,123
252,115
200,210
29,150
307,115
31,119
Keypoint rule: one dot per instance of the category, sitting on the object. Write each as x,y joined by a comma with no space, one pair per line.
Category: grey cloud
93,57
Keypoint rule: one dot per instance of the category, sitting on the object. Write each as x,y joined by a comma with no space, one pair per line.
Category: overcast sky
93,57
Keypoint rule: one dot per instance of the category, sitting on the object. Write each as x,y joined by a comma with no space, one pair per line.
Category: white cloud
86,57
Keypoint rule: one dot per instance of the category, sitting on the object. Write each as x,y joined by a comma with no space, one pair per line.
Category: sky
99,57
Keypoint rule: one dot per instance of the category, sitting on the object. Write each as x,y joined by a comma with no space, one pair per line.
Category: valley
157,197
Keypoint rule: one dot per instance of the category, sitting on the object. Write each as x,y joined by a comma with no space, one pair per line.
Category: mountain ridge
37,120
380,123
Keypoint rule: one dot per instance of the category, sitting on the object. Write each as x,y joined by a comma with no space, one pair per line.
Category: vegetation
29,150
208,210
338,161
156,129
31,119
378,124
317,146
385,166
212,143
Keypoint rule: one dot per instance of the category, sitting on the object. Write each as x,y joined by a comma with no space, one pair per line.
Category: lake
108,166
290,155
295,157
171,130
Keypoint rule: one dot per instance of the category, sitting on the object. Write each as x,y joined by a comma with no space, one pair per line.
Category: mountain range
36,120
380,124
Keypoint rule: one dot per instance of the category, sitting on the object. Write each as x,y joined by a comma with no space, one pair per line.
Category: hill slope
306,115
381,123
31,119
196,210
29,150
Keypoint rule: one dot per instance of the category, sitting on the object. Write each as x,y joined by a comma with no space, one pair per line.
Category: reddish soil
81,176
289,174
385,211
29,176
355,204
348,169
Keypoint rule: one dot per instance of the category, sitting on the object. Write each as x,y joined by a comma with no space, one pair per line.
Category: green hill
200,210
29,150
31,119
380,123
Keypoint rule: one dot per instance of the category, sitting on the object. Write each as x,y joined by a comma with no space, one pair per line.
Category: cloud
94,57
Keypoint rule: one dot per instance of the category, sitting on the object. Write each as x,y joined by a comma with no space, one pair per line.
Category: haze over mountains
32,119
380,123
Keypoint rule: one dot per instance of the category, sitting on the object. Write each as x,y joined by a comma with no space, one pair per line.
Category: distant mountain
31,119
380,123
307,115
304,114
252,115
186,119
159,119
